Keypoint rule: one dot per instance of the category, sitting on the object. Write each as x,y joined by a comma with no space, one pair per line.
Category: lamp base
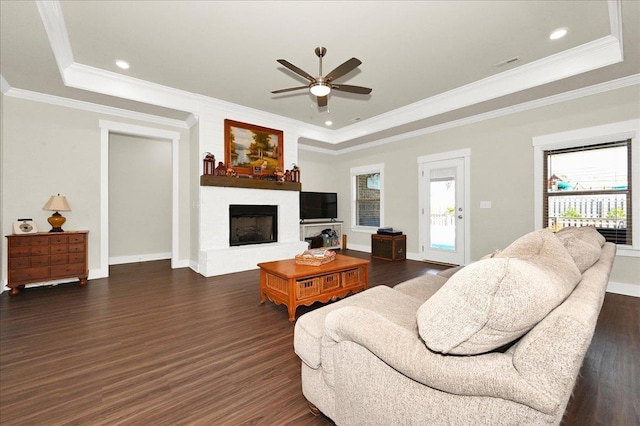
56,221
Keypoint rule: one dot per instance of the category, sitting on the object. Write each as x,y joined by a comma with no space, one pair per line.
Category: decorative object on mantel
57,203
248,146
315,257
208,164
221,170
269,182
279,174
295,173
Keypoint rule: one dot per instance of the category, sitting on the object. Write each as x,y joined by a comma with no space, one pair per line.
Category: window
587,177
367,204
590,186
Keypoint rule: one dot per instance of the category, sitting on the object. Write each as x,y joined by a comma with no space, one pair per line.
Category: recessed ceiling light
328,122
559,33
122,64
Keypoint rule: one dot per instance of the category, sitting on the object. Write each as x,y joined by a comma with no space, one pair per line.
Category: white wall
501,171
140,198
49,149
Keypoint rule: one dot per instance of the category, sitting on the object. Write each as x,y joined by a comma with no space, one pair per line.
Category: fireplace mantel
212,180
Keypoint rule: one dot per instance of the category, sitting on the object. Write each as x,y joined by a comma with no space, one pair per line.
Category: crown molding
596,54
589,56
615,20
550,100
111,83
91,107
191,120
54,25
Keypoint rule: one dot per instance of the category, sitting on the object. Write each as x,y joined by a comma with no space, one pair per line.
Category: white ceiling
428,62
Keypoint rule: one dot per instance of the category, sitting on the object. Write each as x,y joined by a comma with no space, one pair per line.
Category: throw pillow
583,243
494,301
587,233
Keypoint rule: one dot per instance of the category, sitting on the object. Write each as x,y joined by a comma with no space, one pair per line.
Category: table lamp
57,203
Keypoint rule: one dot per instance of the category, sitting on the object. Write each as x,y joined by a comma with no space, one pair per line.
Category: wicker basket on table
315,257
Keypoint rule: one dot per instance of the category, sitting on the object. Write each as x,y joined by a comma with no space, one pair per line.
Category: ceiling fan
321,86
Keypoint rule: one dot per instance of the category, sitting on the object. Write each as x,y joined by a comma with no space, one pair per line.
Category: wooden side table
389,247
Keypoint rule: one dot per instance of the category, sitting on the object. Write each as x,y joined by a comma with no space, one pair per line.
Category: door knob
459,216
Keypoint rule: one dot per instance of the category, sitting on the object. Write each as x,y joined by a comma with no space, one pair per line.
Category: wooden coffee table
291,284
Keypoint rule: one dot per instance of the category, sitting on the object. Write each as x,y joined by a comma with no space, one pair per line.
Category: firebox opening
252,224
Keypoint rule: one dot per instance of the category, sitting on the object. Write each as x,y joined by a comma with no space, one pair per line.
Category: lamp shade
57,203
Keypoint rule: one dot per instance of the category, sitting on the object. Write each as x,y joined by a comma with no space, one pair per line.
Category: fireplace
252,224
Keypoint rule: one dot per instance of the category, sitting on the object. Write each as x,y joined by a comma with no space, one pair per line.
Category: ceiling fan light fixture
320,89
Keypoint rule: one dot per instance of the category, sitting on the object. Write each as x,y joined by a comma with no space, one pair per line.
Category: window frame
592,136
365,170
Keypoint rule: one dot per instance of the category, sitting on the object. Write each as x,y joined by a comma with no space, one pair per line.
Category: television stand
311,232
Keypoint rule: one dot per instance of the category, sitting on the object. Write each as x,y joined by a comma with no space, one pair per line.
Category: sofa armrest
490,375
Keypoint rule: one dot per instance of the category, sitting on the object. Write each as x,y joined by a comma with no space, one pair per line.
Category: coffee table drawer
307,288
351,277
329,282
278,284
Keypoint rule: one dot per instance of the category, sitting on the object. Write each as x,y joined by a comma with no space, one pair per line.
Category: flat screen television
318,205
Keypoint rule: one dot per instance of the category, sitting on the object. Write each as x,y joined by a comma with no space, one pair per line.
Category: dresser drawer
19,263
76,257
40,240
77,238
61,248
20,251
59,259
76,248
66,270
59,239
39,250
19,242
29,274
28,262
37,261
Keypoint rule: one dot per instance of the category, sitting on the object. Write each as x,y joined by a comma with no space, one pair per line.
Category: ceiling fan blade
347,66
297,70
353,89
290,89
322,101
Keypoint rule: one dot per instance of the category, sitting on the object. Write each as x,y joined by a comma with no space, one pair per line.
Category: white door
443,216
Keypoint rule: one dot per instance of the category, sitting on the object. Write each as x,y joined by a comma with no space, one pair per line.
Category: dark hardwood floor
155,346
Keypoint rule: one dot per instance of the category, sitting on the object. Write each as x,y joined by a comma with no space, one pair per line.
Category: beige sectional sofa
499,341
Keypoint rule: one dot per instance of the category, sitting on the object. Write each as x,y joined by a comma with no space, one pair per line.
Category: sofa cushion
422,287
583,243
494,301
393,305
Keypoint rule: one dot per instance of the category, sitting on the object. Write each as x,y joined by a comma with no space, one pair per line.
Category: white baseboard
180,263
359,247
139,258
626,289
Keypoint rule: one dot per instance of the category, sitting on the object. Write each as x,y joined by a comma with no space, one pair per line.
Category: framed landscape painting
249,148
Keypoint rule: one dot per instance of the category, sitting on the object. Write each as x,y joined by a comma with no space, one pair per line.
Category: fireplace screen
252,224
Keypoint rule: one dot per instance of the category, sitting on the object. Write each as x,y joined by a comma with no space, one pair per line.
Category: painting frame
251,157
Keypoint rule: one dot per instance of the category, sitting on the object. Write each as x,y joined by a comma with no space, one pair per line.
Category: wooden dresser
47,256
